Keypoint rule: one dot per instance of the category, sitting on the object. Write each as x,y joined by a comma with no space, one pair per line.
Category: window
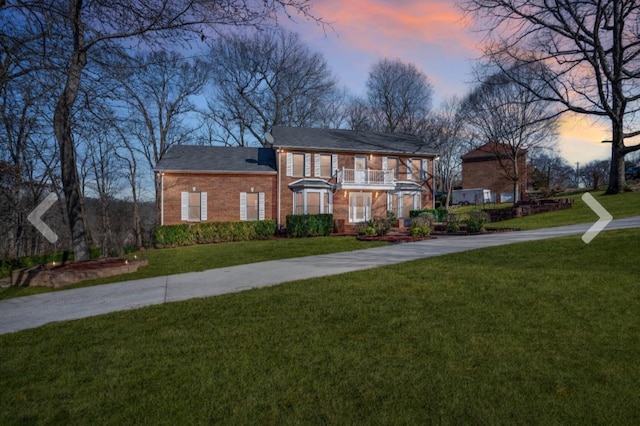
252,206
416,170
393,164
193,206
401,203
324,165
298,164
312,201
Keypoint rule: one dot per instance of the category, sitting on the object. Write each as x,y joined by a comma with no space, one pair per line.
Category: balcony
375,180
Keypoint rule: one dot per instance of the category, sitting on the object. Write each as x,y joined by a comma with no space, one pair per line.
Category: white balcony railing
365,178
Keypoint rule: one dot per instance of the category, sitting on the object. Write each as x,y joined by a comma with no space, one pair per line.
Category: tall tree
445,133
512,119
591,53
267,79
158,88
79,29
399,95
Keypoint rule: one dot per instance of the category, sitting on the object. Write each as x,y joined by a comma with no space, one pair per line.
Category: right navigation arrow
603,215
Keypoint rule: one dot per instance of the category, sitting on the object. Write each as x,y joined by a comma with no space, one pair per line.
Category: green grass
620,206
209,256
544,332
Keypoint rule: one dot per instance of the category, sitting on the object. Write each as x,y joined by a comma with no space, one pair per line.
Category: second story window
323,165
298,164
393,164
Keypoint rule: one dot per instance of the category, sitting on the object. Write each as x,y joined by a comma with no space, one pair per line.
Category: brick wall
341,198
223,194
489,174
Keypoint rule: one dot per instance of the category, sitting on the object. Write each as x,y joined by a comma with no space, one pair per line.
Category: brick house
491,167
354,175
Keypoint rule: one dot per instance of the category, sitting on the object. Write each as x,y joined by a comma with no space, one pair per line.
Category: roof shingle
223,159
349,140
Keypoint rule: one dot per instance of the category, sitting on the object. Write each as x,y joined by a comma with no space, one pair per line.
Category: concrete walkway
32,311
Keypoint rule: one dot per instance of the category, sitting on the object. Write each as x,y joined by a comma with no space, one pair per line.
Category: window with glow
194,206
253,212
325,165
298,164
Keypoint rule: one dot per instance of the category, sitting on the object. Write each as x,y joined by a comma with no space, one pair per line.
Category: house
491,167
354,175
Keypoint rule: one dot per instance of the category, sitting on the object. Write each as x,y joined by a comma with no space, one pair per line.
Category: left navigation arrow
36,215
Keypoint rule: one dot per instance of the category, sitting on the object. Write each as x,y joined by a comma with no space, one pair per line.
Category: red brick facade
223,194
223,189
482,169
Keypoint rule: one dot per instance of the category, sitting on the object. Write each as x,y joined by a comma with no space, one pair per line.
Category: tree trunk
617,182
62,130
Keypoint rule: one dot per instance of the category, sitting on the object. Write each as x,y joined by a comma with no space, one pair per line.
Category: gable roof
336,140
490,151
220,159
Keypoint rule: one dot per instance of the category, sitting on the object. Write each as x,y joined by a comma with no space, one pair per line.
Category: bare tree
267,79
591,55
594,173
445,133
399,96
512,119
80,29
550,173
158,88
359,114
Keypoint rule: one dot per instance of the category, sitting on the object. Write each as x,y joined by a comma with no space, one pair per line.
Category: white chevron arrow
604,217
35,217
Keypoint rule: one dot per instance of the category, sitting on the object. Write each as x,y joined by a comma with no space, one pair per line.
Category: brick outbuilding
491,166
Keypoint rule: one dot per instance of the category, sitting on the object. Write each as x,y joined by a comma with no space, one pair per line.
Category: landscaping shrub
476,221
422,225
377,226
440,215
213,232
453,223
309,225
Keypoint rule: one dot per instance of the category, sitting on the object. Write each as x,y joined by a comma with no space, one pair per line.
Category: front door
359,207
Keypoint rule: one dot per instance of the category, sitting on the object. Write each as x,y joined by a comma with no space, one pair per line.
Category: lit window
194,206
325,165
253,212
298,164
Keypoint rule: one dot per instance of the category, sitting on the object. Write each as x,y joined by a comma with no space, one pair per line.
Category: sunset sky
431,34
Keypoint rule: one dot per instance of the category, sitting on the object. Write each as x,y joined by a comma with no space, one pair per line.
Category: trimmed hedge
439,214
309,225
213,232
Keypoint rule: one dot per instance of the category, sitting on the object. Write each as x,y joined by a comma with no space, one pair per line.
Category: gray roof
221,159
349,140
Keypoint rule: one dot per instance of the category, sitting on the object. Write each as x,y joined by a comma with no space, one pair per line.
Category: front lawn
210,256
544,332
620,206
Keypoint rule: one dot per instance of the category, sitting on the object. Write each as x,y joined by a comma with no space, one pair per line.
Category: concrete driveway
33,311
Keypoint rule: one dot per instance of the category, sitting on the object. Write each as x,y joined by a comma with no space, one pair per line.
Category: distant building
491,167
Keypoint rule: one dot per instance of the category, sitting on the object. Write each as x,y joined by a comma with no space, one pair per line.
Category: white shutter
307,164
184,206
409,161
289,164
425,165
334,163
384,163
203,206
261,205
243,206
317,165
